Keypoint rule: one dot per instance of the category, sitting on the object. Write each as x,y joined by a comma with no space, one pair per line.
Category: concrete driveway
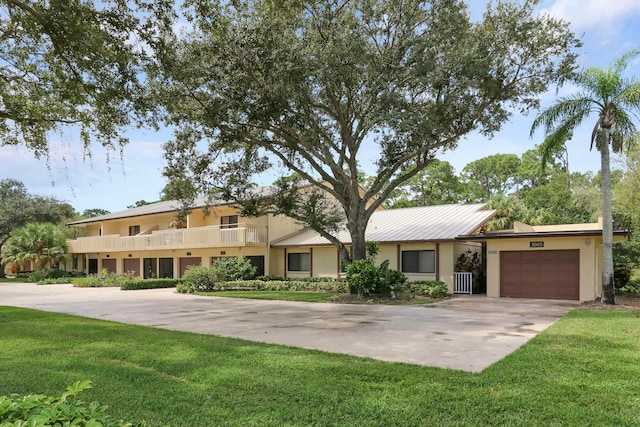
466,333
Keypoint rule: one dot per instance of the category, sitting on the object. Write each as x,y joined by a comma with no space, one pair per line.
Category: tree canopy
40,243
317,87
18,208
72,66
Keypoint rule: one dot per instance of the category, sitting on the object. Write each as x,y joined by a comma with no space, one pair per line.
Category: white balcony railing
186,238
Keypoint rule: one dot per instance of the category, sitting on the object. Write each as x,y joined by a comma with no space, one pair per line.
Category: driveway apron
466,333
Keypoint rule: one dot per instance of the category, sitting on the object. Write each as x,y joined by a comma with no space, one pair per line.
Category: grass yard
11,280
584,370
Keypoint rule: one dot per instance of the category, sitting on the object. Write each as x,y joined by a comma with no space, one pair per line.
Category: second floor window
229,221
134,230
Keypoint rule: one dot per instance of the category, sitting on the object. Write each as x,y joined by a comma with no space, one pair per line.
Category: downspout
437,262
267,270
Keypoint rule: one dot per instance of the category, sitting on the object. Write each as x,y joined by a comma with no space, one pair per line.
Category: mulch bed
623,302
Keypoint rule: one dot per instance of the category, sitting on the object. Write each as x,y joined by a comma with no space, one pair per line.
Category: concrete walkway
465,333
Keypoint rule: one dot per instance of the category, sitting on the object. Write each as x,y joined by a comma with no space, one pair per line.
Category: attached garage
550,262
552,274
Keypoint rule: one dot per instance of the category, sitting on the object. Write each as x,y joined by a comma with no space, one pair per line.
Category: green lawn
11,280
584,370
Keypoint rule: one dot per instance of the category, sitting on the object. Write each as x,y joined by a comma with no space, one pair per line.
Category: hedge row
132,285
430,288
269,285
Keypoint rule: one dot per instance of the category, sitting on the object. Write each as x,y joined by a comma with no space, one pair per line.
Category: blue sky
607,31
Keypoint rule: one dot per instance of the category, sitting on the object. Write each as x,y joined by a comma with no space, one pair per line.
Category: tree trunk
608,293
358,244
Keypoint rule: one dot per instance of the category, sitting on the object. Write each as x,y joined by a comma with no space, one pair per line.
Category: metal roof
428,223
173,206
150,209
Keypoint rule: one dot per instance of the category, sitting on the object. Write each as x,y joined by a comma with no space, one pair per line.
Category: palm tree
41,243
615,101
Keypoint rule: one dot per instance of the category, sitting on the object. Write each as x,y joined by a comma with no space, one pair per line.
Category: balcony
188,238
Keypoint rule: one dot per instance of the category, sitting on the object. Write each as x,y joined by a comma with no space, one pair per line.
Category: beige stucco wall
325,262
205,255
281,225
590,269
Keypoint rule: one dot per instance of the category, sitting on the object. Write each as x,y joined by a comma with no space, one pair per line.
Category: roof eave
582,233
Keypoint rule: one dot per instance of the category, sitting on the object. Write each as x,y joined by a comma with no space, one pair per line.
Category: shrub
55,281
622,275
430,288
136,284
226,269
45,273
631,288
362,276
233,268
198,279
66,410
326,285
104,279
270,277
365,277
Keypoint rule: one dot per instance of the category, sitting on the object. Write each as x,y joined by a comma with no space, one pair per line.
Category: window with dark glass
229,221
134,230
298,261
419,261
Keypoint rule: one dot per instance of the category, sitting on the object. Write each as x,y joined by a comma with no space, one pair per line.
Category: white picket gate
463,283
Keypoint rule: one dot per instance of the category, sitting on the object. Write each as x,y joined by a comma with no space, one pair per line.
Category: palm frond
630,96
572,109
622,63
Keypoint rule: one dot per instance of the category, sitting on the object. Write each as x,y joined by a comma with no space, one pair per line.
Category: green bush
59,281
270,277
226,269
362,276
631,288
435,289
231,268
198,279
102,280
326,285
365,277
136,284
622,275
45,273
38,410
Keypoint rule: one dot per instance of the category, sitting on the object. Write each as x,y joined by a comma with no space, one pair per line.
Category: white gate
463,283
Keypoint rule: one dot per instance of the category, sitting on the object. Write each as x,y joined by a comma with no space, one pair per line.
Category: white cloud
592,14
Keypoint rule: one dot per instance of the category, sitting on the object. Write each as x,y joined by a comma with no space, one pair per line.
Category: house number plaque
536,244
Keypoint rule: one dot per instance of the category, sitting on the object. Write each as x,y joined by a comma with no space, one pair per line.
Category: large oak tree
317,87
73,66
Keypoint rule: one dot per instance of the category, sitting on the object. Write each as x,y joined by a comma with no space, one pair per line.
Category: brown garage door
540,274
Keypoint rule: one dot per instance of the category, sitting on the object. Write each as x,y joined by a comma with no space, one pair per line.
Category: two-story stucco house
424,243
